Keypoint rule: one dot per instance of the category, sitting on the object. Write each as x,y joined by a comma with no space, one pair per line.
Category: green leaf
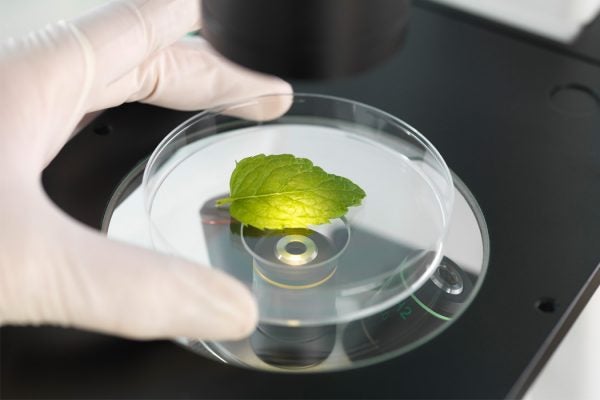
282,191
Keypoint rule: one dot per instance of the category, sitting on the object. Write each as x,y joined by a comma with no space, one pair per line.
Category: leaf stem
224,201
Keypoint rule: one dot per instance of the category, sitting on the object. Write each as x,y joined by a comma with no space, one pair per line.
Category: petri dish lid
376,256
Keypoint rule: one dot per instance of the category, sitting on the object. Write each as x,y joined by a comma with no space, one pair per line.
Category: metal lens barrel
312,39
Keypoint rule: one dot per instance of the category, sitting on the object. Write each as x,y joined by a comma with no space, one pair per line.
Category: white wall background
560,20
17,17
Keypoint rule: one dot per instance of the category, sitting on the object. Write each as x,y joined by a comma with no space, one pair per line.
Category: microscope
516,118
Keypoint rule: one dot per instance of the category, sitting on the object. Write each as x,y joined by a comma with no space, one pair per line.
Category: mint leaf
282,191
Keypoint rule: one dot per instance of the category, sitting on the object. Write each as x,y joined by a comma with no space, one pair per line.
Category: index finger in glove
190,75
134,59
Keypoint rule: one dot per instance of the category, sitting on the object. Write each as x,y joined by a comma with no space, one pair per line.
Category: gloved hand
55,270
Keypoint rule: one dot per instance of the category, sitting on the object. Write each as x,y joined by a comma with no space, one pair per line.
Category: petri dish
376,256
385,279
406,325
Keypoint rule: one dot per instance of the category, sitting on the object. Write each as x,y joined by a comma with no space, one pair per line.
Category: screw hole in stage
575,99
103,130
546,305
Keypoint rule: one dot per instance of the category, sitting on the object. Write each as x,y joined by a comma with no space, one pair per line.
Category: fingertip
273,98
243,316
244,322
259,97
264,107
221,307
283,99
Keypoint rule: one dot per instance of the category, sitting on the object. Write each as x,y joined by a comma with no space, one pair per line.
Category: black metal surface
306,38
488,102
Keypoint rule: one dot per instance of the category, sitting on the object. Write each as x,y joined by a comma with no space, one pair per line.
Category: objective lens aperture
296,250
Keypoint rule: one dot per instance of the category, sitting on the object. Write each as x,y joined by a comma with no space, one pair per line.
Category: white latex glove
55,270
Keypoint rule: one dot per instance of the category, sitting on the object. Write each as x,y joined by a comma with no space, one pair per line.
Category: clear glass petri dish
376,256
389,333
